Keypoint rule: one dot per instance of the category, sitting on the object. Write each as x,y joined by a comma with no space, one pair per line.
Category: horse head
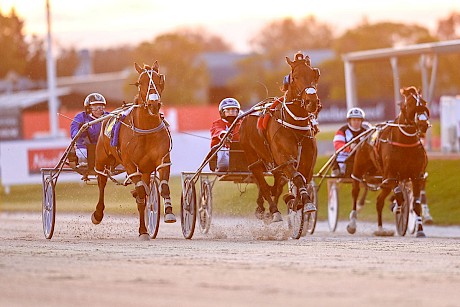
150,85
414,109
303,81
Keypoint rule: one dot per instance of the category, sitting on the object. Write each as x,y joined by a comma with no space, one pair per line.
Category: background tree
179,59
374,78
208,42
449,28
14,49
112,59
261,75
67,62
448,77
35,67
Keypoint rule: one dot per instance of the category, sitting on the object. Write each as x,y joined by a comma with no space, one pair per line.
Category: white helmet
228,103
94,98
356,113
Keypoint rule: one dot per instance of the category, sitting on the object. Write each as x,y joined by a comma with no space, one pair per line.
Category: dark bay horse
397,155
287,146
144,147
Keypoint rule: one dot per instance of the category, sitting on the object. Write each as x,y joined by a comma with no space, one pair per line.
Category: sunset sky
104,23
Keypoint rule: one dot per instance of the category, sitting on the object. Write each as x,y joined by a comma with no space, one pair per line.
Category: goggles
97,108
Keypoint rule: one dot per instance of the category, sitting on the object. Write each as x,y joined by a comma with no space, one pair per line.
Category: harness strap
405,145
148,131
286,124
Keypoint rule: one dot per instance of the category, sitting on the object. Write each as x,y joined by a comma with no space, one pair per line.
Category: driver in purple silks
94,105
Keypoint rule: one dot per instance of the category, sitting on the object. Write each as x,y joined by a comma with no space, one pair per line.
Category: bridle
421,112
298,92
156,96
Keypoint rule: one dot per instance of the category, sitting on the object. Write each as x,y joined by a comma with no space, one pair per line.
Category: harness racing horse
397,155
287,146
144,147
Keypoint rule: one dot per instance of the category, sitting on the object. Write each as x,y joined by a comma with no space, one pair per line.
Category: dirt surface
239,263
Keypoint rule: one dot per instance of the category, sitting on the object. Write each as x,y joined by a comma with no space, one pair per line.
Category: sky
107,23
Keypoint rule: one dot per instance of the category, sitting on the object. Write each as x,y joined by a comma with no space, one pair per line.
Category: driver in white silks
355,126
94,105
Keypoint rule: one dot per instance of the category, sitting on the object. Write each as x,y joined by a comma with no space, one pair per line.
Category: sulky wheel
188,208
311,218
402,217
332,204
152,209
296,217
48,206
205,206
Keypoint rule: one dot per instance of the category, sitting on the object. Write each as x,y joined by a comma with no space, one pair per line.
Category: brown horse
144,147
397,155
287,147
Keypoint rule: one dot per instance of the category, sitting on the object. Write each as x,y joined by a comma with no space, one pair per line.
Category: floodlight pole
51,78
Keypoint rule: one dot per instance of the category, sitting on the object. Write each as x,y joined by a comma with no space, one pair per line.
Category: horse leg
380,202
278,185
140,192
301,184
362,199
418,208
165,193
427,218
257,170
98,214
351,227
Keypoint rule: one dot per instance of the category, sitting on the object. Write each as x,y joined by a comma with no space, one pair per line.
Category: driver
355,126
229,109
94,105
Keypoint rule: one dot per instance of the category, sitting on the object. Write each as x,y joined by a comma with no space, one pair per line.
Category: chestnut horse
144,147
397,155
287,146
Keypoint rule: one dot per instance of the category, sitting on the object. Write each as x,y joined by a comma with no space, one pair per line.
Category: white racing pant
223,160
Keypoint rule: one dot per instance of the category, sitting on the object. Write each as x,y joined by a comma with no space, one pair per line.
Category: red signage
47,157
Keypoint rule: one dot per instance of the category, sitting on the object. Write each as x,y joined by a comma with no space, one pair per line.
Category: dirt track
240,263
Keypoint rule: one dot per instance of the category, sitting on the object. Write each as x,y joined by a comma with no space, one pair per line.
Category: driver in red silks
229,109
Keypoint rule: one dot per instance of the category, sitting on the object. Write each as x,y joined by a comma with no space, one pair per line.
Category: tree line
261,72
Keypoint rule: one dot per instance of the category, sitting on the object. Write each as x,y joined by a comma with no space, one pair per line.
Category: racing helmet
94,98
356,113
228,103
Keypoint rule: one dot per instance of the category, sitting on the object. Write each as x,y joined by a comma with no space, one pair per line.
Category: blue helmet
228,103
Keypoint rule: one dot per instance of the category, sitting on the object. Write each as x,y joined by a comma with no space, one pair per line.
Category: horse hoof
170,218
428,220
95,220
420,234
351,228
381,232
260,213
144,237
277,217
310,208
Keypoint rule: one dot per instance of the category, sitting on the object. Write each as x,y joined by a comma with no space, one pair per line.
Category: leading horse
398,155
286,145
144,146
